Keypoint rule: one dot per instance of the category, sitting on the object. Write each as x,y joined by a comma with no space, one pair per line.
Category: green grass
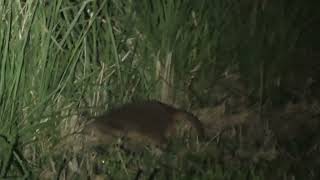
177,162
60,58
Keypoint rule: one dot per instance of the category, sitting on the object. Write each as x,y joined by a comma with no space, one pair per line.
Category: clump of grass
176,162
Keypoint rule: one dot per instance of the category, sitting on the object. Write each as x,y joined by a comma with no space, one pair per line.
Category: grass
62,57
177,162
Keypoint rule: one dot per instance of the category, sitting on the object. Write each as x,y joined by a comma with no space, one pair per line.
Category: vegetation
61,58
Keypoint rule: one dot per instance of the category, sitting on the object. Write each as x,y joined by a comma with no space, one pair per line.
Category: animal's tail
195,122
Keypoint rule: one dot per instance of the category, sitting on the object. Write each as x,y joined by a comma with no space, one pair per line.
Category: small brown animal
150,119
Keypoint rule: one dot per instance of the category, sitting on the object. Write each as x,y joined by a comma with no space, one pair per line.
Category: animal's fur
153,120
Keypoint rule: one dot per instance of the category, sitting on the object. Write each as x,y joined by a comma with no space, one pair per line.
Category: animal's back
151,119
